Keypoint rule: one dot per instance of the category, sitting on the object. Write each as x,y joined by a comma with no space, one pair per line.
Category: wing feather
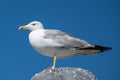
65,39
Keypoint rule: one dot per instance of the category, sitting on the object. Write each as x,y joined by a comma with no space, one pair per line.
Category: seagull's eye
33,24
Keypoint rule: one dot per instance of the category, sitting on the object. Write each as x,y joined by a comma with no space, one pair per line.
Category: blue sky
96,21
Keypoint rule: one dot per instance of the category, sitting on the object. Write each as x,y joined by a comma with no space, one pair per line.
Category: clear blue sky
96,21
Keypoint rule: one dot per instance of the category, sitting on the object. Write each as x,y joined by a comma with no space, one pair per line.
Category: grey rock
64,74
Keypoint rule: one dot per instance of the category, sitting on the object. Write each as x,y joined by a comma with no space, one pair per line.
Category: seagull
57,44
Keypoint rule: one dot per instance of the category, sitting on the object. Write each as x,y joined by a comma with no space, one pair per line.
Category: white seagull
58,44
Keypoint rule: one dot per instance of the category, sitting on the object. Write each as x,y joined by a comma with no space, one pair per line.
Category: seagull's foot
53,68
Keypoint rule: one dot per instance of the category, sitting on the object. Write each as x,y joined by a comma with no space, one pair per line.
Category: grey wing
65,39
75,44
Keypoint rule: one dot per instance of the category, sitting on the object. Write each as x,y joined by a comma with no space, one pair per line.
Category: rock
64,74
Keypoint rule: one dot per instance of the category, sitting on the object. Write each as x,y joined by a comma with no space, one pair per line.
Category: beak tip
19,28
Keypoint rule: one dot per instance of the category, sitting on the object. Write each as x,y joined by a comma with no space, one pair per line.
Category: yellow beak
23,28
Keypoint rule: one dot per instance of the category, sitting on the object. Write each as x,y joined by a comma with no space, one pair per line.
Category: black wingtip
102,48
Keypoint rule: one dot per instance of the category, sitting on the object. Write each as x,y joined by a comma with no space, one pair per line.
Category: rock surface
64,74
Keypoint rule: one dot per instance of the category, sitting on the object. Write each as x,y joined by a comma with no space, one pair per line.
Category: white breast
36,38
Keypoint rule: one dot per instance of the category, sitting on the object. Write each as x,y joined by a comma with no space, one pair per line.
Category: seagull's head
35,25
